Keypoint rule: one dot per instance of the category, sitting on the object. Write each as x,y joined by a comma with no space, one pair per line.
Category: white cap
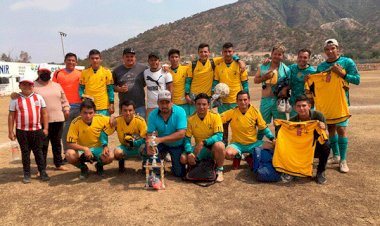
164,95
331,41
27,78
44,67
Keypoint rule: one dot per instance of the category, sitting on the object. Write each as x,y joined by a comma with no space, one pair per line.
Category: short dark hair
88,104
242,92
128,103
94,52
71,55
228,45
202,96
305,51
203,45
173,51
302,98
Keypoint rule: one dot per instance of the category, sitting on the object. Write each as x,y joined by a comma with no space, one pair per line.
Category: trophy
152,180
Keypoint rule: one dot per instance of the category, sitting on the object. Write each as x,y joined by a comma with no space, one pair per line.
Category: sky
34,25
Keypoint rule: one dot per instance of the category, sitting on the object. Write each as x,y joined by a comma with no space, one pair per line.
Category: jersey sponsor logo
152,88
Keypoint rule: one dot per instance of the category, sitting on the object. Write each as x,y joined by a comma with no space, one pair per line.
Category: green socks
334,145
221,168
343,142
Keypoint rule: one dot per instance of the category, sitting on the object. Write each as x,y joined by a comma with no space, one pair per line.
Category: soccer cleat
236,163
121,166
321,178
334,160
83,173
281,106
343,167
219,176
168,158
26,179
288,107
99,169
286,178
44,176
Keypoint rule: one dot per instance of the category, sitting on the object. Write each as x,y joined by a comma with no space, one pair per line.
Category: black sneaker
26,179
44,176
321,178
64,161
99,169
83,173
121,166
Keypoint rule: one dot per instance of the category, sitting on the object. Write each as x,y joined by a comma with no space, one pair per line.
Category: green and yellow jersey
202,129
136,128
179,78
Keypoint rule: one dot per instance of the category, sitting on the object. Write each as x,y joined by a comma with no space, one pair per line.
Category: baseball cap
27,78
129,50
331,41
44,67
164,95
154,54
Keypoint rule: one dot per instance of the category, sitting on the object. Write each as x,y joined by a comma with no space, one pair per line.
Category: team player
245,121
131,131
201,74
207,129
269,75
179,73
129,81
87,139
28,111
96,82
68,78
228,71
345,68
156,80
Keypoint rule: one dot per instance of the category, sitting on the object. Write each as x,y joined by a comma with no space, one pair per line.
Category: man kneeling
207,129
87,139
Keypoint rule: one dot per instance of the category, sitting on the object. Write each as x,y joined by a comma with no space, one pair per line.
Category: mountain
256,25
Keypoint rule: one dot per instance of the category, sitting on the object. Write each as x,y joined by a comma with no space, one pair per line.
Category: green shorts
245,148
205,153
187,108
268,109
103,112
343,124
96,151
225,107
129,152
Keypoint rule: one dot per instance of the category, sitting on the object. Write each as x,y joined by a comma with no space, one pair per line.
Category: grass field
346,199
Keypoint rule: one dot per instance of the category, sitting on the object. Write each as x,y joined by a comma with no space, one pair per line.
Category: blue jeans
178,169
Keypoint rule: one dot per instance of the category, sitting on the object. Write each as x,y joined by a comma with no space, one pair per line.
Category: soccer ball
222,89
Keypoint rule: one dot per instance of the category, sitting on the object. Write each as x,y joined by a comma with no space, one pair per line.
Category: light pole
62,34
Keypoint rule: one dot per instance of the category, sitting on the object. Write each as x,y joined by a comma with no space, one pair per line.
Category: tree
5,57
24,57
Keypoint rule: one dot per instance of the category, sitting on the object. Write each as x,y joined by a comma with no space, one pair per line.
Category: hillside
255,25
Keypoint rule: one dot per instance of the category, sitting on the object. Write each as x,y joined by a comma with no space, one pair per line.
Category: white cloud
155,1
48,5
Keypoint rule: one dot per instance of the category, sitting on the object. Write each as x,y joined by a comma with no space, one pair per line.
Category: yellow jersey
136,128
203,76
95,85
203,129
329,96
295,146
89,135
232,76
179,79
244,127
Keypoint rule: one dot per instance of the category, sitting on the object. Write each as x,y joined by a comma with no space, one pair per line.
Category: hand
274,142
111,109
12,136
46,132
123,88
266,61
150,150
66,113
14,95
336,68
113,122
88,153
268,75
242,65
191,159
322,125
198,147
166,68
283,92
306,78
188,99
106,151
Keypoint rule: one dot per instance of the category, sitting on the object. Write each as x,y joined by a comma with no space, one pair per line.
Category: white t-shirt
155,82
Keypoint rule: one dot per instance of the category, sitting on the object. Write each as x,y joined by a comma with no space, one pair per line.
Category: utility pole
62,34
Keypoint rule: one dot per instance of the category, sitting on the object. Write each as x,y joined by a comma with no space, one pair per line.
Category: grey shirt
134,78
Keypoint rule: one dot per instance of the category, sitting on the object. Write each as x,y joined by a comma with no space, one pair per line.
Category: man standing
68,78
345,68
96,82
129,81
88,139
156,80
245,121
168,122
207,129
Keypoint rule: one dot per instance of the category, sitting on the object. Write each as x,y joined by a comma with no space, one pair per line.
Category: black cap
129,50
154,54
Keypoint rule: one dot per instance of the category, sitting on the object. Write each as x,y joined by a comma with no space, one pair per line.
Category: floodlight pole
62,34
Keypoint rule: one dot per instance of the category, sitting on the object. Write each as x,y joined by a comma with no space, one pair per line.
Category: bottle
15,150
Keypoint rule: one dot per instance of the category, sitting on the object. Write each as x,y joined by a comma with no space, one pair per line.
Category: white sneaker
168,158
219,177
343,166
288,107
334,160
281,106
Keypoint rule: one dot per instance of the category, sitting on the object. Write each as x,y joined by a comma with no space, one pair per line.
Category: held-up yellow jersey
179,78
244,127
203,129
329,96
232,76
203,76
89,135
95,85
136,128
295,146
